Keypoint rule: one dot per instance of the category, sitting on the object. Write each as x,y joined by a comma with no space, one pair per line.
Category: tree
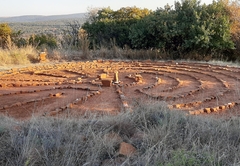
5,33
43,41
111,25
18,40
70,35
188,27
233,10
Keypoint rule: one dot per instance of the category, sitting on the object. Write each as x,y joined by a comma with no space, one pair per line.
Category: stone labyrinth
113,86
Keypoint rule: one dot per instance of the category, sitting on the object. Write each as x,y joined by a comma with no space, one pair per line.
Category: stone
102,76
125,104
42,56
159,80
106,82
214,109
127,149
207,110
222,107
57,94
70,105
116,77
138,78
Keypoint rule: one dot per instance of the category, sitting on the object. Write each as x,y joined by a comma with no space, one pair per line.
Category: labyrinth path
113,86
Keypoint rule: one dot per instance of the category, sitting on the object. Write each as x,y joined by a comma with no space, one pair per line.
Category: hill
39,18
35,24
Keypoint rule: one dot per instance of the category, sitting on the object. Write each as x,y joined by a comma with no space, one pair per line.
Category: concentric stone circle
108,86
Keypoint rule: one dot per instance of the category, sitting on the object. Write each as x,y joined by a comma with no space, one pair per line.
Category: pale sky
57,7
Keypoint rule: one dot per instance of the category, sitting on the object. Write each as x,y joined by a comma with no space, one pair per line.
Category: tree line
181,29
187,28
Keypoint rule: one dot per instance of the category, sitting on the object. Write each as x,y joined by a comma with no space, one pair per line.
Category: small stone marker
42,56
116,77
106,82
102,76
138,78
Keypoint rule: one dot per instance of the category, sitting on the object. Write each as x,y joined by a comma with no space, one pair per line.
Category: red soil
72,89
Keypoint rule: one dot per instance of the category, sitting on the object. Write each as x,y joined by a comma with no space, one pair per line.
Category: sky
9,8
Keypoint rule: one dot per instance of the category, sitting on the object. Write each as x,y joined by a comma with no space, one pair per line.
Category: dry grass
118,53
18,56
162,137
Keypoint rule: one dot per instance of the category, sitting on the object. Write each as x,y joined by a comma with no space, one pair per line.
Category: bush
17,56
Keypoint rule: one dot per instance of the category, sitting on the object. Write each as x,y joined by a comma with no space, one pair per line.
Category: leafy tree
5,33
109,25
233,10
189,26
70,36
43,41
18,40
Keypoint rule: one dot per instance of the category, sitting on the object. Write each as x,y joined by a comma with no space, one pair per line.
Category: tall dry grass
15,55
161,137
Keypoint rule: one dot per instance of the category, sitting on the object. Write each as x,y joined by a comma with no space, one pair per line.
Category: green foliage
187,158
187,27
18,40
5,32
109,25
41,41
190,26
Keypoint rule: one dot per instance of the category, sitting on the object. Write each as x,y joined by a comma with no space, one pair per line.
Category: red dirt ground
71,89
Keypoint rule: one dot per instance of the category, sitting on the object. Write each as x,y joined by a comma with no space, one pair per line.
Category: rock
106,82
42,57
214,109
138,78
127,149
116,80
57,94
222,107
207,110
102,76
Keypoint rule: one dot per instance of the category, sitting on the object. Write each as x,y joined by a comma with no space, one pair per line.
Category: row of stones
123,99
28,79
49,89
202,68
18,104
197,103
215,71
198,89
158,81
50,74
71,104
203,73
178,81
188,94
24,84
214,109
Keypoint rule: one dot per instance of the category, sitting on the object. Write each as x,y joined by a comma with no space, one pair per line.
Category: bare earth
72,89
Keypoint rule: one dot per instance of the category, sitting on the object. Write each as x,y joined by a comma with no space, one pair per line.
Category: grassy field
160,136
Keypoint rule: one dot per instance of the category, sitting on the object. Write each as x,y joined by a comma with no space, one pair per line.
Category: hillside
39,18
43,24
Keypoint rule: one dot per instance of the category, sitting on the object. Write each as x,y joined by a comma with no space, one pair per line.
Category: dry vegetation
17,56
161,137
